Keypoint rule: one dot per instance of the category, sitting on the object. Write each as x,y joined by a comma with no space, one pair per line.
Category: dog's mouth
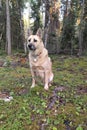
31,47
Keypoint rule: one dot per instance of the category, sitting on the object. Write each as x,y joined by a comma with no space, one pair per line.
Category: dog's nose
31,46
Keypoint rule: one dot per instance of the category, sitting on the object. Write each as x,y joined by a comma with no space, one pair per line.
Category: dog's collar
39,54
35,57
35,60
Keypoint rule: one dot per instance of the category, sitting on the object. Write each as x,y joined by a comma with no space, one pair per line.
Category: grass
63,107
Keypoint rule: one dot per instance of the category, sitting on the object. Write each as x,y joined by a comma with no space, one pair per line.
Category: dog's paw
32,86
46,87
50,84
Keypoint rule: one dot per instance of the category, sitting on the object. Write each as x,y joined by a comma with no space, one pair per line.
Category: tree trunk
8,28
81,30
22,37
0,23
53,26
0,4
47,22
80,42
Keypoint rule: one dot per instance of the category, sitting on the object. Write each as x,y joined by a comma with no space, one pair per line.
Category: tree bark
81,31
8,28
47,22
0,4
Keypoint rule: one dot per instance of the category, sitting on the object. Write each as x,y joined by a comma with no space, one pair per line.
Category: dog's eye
29,40
35,40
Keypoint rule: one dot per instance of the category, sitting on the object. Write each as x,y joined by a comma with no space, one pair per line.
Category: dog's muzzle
31,47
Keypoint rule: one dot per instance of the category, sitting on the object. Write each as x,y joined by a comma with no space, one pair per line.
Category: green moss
30,110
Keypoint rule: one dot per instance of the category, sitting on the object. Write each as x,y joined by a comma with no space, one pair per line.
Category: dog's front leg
46,87
33,79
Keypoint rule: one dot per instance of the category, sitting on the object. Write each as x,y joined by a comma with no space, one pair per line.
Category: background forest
64,25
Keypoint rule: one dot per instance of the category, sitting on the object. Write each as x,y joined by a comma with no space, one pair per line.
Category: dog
40,63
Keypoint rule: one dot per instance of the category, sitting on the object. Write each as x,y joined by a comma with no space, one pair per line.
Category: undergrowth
62,107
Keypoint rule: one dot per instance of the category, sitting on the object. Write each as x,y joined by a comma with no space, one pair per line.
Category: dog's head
35,41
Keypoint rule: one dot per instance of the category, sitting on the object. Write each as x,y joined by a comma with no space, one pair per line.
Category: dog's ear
39,32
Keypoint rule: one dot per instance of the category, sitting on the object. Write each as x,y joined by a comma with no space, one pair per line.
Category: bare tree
52,25
8,28
0,12
81,29
0,3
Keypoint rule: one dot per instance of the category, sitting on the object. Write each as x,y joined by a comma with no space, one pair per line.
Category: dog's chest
38,71
33,58
36,60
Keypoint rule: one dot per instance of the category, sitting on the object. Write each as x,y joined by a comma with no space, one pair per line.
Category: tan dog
40,63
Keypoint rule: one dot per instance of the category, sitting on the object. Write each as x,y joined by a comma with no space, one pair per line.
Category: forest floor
62,107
